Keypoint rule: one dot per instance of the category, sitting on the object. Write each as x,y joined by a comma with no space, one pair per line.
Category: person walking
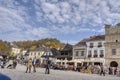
34,64
102,70
48,63
110,71
14,63
29,65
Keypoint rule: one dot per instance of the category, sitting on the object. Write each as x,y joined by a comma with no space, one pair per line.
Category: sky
67,20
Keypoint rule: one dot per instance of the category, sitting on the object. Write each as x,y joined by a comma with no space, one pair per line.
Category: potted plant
99,45
89,55
91,46
95,55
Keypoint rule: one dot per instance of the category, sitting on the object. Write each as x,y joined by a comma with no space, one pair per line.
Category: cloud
81,11
48,18
11,23
7,17
15,27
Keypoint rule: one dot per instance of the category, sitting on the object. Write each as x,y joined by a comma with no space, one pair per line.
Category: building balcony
89,56
99,45
91,46
95,56
101,55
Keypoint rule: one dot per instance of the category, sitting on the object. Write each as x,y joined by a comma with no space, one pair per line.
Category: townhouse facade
79,53
15,49
37,52
89,51
95,50
65,55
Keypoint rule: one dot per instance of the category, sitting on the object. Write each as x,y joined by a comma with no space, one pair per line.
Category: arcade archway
113,64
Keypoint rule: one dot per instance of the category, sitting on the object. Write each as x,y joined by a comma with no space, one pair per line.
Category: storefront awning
92,61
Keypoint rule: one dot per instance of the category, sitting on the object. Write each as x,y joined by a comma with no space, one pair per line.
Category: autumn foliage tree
4,47
48,42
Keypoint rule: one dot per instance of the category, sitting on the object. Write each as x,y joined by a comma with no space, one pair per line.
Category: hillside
48,42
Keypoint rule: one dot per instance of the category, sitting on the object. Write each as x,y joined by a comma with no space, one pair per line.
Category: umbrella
1,57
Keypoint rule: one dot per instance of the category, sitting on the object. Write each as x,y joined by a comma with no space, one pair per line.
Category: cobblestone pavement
19,74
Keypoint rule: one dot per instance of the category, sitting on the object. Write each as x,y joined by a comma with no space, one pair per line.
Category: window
99,44
91,45
101,53
62,53
66,53
113,51
89,53
82,53
95,53
77,52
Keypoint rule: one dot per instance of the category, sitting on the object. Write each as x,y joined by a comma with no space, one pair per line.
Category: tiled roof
95,38
3,54
39,48
53,52
67,47
13,45
92,38
82,43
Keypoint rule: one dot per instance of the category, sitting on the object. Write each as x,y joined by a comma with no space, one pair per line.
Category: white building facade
95,51
15,51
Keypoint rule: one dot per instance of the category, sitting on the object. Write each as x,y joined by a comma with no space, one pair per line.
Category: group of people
9,63
99,69
12,64
32,63
2,63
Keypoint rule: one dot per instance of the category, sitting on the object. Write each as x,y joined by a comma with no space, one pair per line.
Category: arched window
114,64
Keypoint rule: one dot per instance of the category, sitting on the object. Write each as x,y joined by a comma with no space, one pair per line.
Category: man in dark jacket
48,63
4,77
34,64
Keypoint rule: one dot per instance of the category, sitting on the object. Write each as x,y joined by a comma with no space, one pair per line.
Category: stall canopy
3,55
